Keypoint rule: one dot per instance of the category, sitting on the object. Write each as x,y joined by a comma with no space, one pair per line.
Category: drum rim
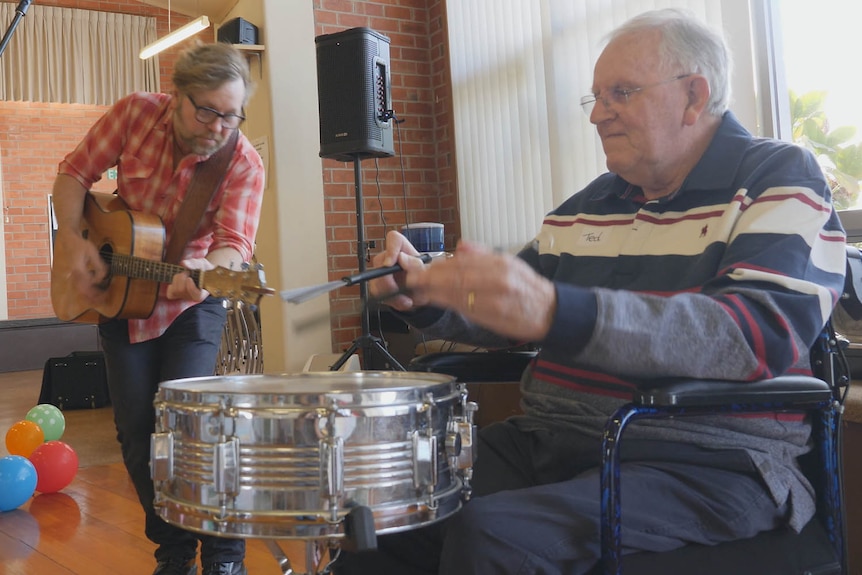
392,380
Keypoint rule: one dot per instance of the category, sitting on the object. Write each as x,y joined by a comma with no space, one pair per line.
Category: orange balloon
24,437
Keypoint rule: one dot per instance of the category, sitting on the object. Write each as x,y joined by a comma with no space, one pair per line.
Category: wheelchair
819,549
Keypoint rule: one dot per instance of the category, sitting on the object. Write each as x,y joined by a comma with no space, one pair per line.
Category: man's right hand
396,245
77,264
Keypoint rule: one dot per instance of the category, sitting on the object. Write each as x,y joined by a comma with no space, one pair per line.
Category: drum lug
332,468
424,460
226,467
461,460
162,456
460,433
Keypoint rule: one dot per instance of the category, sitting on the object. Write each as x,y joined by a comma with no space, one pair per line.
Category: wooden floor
95,526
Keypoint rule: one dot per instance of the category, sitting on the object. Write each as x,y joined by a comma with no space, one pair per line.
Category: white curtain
519,68
66,55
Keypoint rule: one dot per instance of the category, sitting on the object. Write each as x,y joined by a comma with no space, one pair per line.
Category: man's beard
197,146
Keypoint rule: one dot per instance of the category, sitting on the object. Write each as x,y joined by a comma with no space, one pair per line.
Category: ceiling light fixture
175,37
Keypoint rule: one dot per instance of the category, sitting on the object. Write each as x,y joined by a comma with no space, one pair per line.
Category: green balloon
50,419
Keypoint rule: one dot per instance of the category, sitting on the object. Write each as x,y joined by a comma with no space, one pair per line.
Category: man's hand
495,290
398,250
77,263
184,287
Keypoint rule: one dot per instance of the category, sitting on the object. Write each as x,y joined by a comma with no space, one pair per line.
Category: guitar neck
139,268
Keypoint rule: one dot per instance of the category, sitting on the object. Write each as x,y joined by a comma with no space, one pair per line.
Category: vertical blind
67,55
519,68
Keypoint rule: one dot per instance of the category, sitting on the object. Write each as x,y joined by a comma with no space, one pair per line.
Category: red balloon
56,464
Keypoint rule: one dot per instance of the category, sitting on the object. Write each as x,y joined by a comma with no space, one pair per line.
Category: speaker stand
367,343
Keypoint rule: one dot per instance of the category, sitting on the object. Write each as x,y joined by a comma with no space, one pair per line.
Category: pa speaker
354,96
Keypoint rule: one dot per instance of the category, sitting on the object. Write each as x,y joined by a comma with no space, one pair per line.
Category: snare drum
288,456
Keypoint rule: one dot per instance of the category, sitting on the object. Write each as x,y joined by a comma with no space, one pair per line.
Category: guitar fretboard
140,268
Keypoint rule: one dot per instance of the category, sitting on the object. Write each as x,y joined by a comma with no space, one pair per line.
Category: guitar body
114,229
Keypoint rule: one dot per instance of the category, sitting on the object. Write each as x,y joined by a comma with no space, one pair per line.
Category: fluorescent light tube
175,37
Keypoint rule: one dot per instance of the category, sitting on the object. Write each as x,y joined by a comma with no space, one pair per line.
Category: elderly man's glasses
206,115
620,96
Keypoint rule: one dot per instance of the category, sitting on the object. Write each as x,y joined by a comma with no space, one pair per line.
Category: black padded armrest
466,366
698,393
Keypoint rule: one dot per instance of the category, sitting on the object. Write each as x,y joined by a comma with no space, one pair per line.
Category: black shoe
177,567
236,568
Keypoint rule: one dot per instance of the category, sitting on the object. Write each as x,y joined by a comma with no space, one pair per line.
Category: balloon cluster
37,460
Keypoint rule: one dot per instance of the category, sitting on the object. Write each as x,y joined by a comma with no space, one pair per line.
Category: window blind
519,69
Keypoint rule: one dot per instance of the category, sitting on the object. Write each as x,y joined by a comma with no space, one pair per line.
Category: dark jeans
189,348
536,507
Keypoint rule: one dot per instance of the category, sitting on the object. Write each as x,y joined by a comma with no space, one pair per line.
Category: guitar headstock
247,286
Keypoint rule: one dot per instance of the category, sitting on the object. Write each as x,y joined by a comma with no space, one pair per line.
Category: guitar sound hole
107,254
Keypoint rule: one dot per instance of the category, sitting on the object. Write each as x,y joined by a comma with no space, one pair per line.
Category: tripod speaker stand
367,343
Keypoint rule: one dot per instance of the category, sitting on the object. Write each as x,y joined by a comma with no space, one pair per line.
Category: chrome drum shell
288,456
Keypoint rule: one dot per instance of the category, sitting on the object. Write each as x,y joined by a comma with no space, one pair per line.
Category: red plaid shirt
136,135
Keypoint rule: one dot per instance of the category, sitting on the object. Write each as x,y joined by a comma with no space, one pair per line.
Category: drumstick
299,295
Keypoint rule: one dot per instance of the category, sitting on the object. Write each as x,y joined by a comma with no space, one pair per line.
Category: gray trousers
535,507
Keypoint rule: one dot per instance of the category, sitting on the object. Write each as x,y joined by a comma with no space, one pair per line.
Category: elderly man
704,252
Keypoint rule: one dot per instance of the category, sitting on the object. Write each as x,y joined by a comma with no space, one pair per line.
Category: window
820,47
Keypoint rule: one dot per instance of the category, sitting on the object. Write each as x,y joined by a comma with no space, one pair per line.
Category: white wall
291,242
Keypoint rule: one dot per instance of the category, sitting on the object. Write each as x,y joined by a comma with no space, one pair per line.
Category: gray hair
690,44
209,67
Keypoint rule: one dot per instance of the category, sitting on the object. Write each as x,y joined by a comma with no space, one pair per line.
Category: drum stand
366,342
315,550
359,535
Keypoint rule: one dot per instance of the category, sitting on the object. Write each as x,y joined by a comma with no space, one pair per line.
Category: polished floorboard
94,526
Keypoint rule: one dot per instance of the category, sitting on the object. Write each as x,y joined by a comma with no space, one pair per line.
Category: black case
77,381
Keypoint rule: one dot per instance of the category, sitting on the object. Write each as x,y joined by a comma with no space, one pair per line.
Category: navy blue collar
716,168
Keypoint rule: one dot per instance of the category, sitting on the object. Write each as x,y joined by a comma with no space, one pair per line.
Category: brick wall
417,184
33,139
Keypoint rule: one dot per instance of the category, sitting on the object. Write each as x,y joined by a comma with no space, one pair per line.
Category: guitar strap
205,181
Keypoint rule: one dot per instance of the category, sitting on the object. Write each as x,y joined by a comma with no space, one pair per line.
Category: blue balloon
17,481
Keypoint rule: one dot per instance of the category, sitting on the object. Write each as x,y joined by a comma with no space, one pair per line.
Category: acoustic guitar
132,243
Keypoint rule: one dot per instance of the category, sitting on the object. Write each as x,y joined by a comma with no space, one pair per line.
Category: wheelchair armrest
467,367
701,392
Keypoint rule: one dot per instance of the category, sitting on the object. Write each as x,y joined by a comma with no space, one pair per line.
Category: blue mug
425,236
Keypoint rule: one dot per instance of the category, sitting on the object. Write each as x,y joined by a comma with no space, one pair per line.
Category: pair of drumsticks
299,295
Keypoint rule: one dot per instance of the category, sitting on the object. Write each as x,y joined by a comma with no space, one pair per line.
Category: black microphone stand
20,11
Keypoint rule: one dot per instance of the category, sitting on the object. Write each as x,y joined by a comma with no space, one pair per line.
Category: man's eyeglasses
206,115
620,96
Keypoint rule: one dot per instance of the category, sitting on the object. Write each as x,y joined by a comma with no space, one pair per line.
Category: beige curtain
519,68
67,55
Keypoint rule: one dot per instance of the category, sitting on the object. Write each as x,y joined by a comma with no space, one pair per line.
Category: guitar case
77,381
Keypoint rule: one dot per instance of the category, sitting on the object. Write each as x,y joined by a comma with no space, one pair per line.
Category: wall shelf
250,47
252,50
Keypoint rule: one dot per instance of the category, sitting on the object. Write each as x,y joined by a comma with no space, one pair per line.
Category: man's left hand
184,287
